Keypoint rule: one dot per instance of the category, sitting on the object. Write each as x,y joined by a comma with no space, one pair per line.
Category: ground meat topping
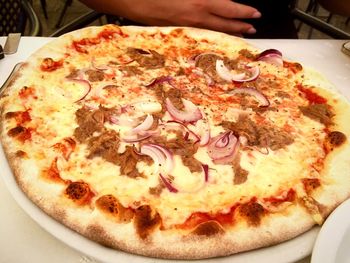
95,75
259,135
207,62
241,175
183,148
74,73
132,70
147,59
318,112
128,161
105,145
157,190
247,54
89,122
173,94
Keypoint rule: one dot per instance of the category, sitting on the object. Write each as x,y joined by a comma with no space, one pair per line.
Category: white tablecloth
23,240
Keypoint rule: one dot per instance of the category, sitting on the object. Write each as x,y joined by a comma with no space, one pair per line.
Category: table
23,240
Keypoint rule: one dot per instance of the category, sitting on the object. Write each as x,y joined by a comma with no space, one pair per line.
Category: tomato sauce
53,173
290,196
27,92
199,217
311,96
292,66
106,34
48,64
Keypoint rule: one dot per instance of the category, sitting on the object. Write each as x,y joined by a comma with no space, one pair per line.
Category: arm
340,7
220,15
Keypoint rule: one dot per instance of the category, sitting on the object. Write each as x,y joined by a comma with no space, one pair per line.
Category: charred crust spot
145,221
208,229
253,212
334,139
311,184
79,192
20,132
11,114
108,203
22,117
16,131
21,154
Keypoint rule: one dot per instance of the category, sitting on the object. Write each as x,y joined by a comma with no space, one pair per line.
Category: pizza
176,143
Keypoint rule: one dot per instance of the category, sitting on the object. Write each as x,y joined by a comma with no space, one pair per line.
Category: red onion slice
271,56
86,84
135,137
145,125
263,101
194,59
209,80
167,184
108,70
228,159
189,134
123,120
157,155
206,172
227,75
270,51
190,114
161,156
223,148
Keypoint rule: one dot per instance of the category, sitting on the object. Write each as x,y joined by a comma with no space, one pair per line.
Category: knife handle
12,42
346,48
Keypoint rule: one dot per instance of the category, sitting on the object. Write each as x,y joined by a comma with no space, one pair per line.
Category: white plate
333,242
289,251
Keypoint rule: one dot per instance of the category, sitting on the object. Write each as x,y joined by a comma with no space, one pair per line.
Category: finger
229,9
227,25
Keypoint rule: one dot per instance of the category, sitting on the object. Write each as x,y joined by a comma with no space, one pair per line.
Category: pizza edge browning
273,229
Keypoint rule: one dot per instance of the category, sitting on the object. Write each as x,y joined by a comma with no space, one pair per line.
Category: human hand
219,15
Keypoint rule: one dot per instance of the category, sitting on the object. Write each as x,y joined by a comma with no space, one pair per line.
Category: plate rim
334,226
